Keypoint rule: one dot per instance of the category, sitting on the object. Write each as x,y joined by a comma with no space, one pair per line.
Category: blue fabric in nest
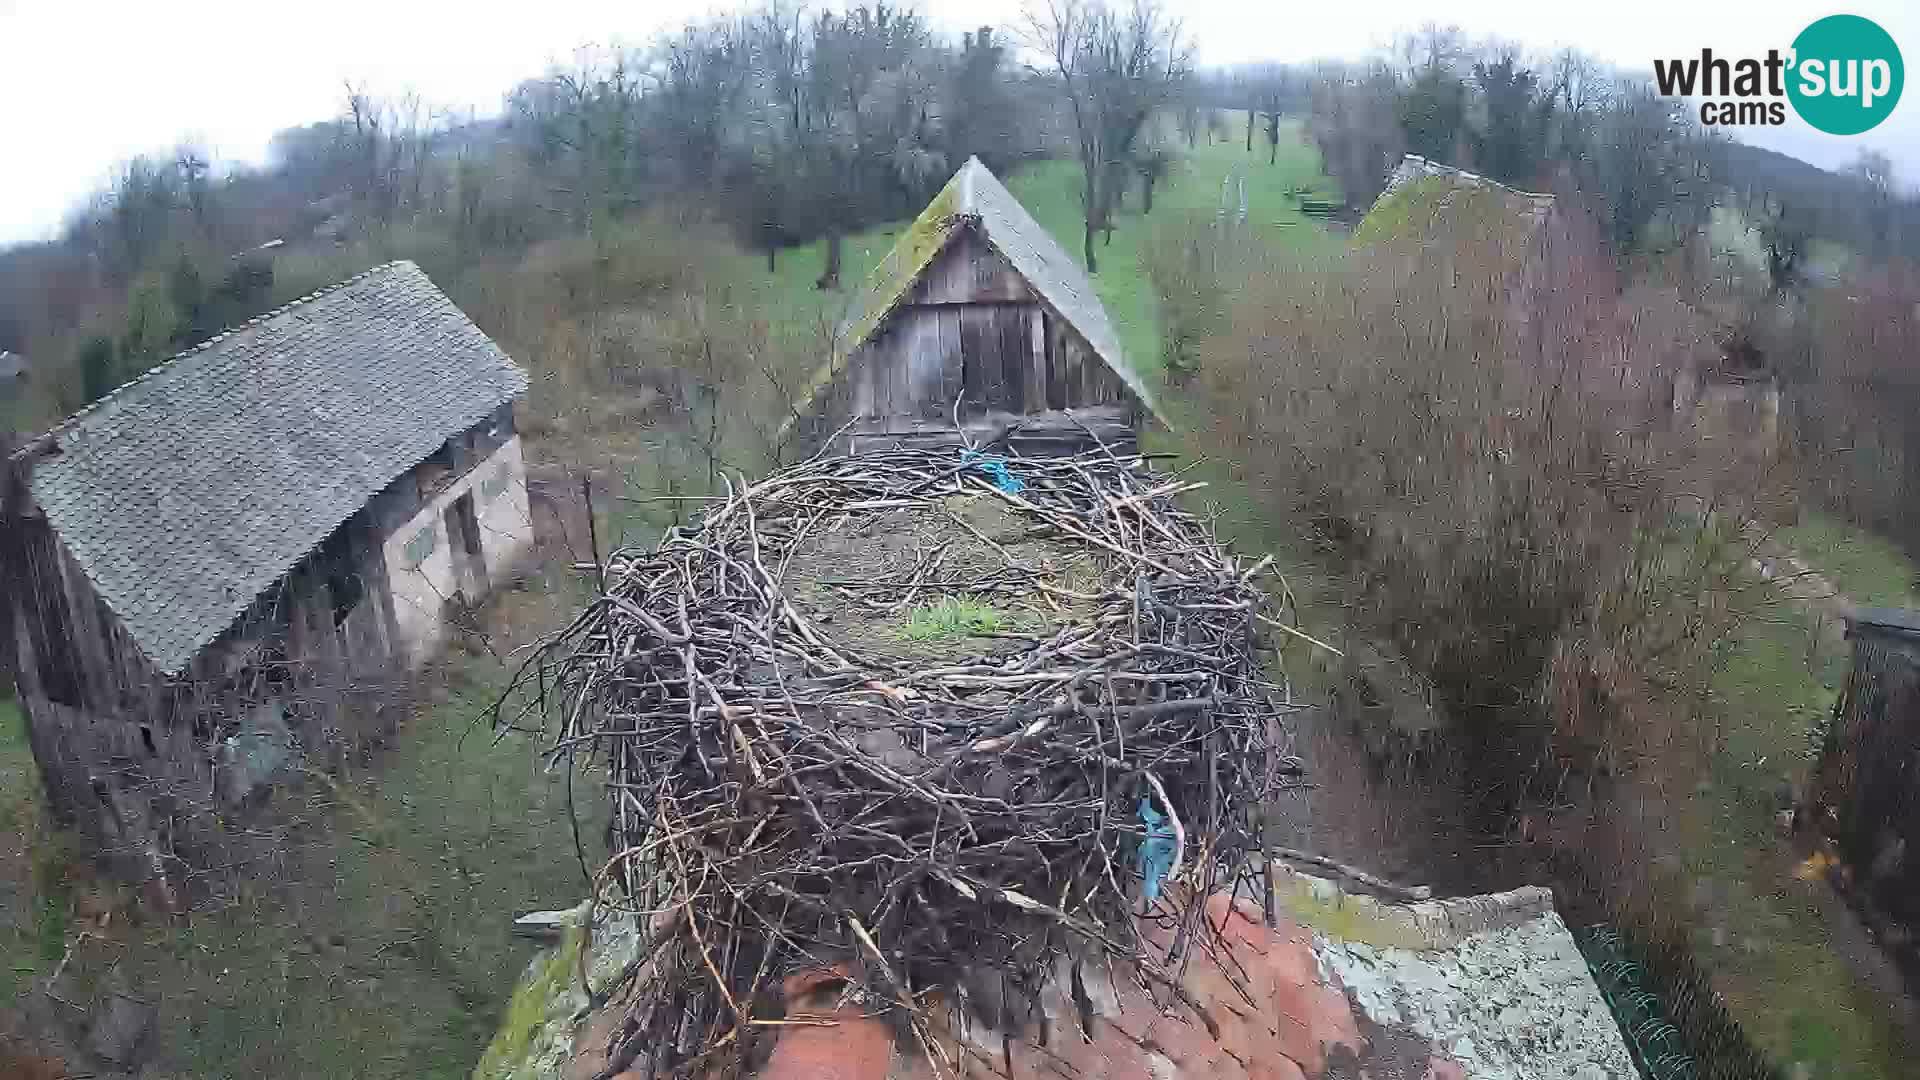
996,469
1156,851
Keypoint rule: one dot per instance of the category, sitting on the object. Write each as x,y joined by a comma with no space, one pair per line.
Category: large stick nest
786,797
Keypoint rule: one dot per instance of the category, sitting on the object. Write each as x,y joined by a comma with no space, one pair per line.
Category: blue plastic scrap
996,469
1156,851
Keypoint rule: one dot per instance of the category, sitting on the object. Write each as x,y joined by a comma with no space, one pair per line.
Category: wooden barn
977,323
223,570
1866,796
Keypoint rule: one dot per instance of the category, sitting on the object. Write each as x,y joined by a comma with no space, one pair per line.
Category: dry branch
809,803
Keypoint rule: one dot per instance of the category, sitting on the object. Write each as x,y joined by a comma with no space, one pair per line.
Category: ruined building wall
169,775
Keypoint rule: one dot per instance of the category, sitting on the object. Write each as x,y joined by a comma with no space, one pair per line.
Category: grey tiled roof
1899,622
189,491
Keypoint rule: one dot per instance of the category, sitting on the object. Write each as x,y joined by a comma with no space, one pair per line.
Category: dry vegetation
1483,438
1855,392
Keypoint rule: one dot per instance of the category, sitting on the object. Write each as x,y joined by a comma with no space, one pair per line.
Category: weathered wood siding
1867,786
1048,434
154,768
971,331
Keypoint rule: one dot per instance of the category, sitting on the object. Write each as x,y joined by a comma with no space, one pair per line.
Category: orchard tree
1115,69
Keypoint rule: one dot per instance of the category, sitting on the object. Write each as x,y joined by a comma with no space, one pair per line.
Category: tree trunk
1249,131
830,277
1146,193
1090,201
773,251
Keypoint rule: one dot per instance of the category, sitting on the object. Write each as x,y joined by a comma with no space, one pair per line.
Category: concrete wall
422,587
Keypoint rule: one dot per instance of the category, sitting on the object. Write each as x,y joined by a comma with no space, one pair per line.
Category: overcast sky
85,84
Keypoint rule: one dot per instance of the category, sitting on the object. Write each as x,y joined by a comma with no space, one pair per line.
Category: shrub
1853,390
1192,261
1482,426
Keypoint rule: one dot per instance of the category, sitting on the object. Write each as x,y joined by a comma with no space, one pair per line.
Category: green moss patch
1417,210
952,619
549,984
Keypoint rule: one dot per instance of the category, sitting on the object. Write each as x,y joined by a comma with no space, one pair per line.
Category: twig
1404,892
787,798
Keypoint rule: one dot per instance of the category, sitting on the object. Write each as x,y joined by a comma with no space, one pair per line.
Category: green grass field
387,954
1868,569
1050,190
33,906
377,948
1765,935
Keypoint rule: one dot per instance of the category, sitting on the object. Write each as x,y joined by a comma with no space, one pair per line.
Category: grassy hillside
1050,190
386,954
33,908
1866,568
376,947
1776,946
1780,949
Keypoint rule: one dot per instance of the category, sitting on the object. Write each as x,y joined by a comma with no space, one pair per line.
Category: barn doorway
463,534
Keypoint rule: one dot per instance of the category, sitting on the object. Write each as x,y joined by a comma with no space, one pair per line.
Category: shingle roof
976,199
1896,622
187,492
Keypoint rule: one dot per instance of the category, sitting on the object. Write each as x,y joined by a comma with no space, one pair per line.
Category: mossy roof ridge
1421,193
975,198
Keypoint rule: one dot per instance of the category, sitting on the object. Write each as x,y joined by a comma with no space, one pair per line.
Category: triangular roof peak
976,199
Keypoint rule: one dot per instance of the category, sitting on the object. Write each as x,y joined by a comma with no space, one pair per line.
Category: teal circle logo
1846,75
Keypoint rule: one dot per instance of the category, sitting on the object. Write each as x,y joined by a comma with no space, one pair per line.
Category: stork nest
792,792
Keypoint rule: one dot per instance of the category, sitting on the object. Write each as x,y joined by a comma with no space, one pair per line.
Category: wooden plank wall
971,325
1866,799
1045,434
124,750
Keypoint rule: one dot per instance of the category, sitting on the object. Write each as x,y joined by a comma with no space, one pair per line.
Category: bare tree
1873,171
583,127
1431,48
1586,91
870,107
1270,89
1354,121
1115,68
364,128
702,74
